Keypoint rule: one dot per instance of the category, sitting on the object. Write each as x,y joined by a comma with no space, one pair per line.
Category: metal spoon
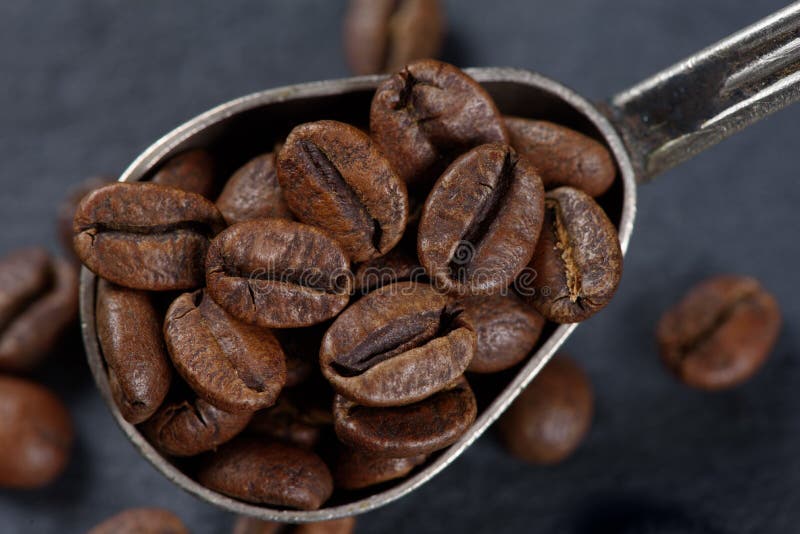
649,128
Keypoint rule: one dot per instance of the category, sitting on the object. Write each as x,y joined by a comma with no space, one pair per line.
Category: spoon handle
683,110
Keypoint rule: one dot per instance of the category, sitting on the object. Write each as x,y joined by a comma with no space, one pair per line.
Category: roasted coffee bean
506,327
384,35
551,417
233,365
278,274
404,431
720,333
253,192
146,236
130,336
142,521
38,301
578,261
429,113
35,434
357,469
481,221
249,525
397,345
192,171
68,207
296,420
333,177
563,156
396,266
191,426
268,473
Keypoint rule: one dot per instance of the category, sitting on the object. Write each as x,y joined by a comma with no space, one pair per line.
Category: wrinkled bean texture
253,192
404,431
397,345
191,171
145,236
384,35
268,473
481,221
720,333
396,266
36,435
129,330
38,302
563,156
334,177
427,114
552,416
278,274
68,207
233,365
578,261
142,521
356,469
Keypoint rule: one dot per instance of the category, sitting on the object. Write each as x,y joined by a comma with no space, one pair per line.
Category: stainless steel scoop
649,128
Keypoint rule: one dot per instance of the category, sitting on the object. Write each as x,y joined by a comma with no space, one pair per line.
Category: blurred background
86,85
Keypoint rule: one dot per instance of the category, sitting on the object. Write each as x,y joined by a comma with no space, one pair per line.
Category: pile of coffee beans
317,326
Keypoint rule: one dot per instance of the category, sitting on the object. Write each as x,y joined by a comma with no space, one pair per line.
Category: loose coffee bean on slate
578,261
356,469
268,473
146,236
506,327
551,417
36,435
720,333
563,156
278,274
396,266
334,177
68,207
429,113
38,302
142,521
233,365
192,171
130,335
397,345
253,192
420,428
384,35
481,221
249,525
191,426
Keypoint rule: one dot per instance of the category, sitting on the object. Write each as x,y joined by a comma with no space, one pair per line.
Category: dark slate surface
86,85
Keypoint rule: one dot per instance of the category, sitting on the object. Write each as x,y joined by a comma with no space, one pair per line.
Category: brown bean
253,192
142,521
357,469
191,171
68,207
130,336
396,266
232,365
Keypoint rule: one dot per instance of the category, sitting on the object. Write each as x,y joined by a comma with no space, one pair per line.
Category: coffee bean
301,347
232,365
551,416
36,435
268,473
142,521
429,113
506,327
190,426
68,207
563,156
253,192
130,336
38,302
397,345
396,266
384,35
191,171
334,177
278,274
357,469
578,261
296,420
145,236
481,221
420,428
249,525
720,333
